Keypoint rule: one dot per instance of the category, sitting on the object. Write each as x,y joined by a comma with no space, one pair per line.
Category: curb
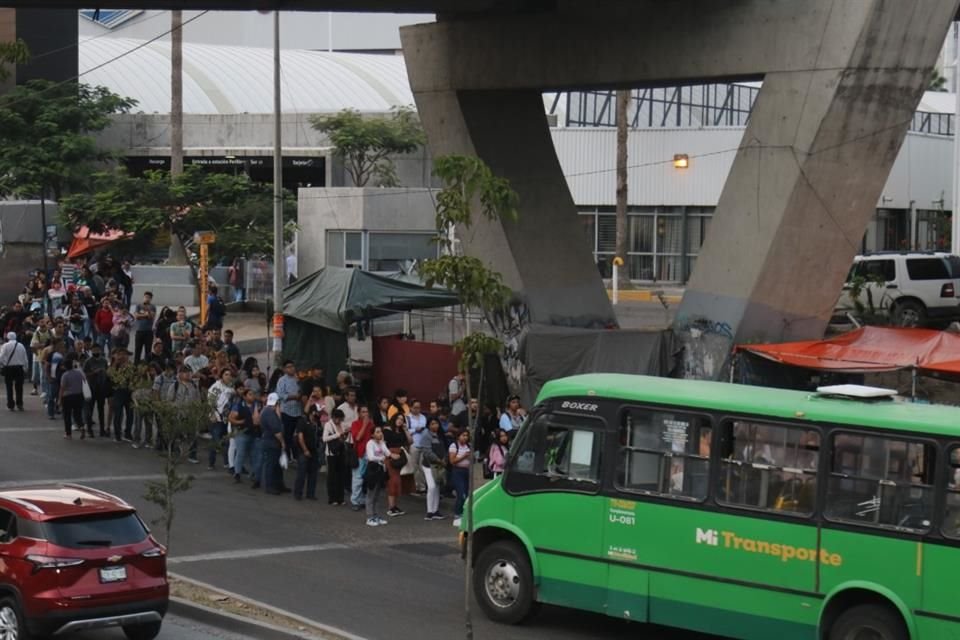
247,626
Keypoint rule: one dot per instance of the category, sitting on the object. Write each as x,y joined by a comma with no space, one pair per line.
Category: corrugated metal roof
220,79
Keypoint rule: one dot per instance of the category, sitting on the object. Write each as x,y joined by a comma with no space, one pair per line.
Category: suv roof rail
904,252
100,494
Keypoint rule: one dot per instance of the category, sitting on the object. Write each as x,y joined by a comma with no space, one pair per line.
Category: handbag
410,467
87,392
401,462
284,460
353,462
335,447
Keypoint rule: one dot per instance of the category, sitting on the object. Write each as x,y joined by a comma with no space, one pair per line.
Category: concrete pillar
804,185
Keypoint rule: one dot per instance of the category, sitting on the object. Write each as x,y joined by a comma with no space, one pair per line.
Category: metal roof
220,79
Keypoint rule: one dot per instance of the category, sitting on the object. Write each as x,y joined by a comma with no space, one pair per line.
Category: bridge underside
842,79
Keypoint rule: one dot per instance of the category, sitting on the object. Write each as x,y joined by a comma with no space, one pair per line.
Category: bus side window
558,447
664,453
881,481
951,518
768,466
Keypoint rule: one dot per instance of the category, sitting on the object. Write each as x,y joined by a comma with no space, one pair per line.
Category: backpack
218,307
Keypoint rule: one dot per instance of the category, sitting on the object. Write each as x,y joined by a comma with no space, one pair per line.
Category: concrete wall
354,209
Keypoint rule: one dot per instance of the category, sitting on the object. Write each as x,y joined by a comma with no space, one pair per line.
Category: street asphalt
173,629
399,582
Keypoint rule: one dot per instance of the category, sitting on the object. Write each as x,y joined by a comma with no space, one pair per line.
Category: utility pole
620,276
279,264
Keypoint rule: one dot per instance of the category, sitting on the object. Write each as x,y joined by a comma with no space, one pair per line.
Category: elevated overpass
841,82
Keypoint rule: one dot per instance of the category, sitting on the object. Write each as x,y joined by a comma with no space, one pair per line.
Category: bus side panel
872,559
939,578
730,610
563,529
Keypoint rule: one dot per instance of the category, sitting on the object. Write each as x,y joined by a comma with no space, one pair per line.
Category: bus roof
939,420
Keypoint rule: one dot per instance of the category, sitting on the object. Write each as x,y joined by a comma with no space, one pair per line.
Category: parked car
912,288
73,559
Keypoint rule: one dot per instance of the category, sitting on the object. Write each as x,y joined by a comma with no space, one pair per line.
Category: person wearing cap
271,428
143,314
513,417
13,360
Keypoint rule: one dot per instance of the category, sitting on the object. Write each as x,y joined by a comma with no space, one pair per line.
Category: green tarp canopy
320,307
335,297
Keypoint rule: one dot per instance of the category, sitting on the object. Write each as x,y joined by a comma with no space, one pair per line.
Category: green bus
734,510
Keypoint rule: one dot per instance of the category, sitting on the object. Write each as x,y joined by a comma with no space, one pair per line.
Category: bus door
941,618
879,504
555,478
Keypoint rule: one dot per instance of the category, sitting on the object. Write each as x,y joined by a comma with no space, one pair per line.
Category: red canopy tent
84,242
869,349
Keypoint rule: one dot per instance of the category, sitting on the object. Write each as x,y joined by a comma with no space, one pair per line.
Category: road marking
255,553
13,484
13,429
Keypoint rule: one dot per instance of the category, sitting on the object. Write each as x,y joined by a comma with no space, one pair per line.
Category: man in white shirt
13,359
195,359
220,397
349,407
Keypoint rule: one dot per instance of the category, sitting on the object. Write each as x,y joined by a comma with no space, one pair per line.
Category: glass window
588,222
951,519
335,256
389,250
879,481
354,246
8,526
640,233
766,466
606,234
82,532
562,450
927,269
664,453
877,270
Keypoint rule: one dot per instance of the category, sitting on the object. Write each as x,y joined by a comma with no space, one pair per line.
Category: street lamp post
279,266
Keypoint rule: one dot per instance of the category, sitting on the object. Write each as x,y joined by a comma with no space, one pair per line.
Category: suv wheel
909,313
11,621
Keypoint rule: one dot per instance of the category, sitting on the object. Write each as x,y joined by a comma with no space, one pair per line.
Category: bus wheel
503,582
869,622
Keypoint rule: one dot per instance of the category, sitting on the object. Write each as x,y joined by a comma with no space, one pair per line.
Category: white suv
911,287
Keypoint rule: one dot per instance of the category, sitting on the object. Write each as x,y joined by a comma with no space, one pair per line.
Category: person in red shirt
360,432
103,323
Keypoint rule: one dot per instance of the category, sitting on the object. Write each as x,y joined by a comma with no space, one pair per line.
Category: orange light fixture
681,161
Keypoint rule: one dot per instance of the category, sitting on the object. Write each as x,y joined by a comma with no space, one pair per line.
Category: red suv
74,558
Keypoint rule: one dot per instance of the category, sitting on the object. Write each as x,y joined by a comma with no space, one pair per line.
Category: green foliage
239,210
474,348
12,53
469,278
45,140
466,178
365,143
937,81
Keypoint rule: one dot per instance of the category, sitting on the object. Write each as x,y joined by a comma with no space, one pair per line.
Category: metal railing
694,106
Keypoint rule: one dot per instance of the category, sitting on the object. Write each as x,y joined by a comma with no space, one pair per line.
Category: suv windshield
102,530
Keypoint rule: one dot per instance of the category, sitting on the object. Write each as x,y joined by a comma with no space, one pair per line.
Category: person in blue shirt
291,402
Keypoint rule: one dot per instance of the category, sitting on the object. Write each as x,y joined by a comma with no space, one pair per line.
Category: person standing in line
349,407
512,419
121,402
271,475
336,438
41,338
457,396
380,416
243,414
13,359
220,396
399,404
235,278
497,456
360,432
144,315
432,463
397,437
288,391
307,438
103,325
180,332
460,456
71,398
95,368
417,425
377,455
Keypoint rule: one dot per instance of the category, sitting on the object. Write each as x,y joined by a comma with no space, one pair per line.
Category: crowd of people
71,329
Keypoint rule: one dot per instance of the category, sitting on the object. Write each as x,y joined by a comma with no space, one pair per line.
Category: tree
12,53
466,181
366,143
45,141
239,210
